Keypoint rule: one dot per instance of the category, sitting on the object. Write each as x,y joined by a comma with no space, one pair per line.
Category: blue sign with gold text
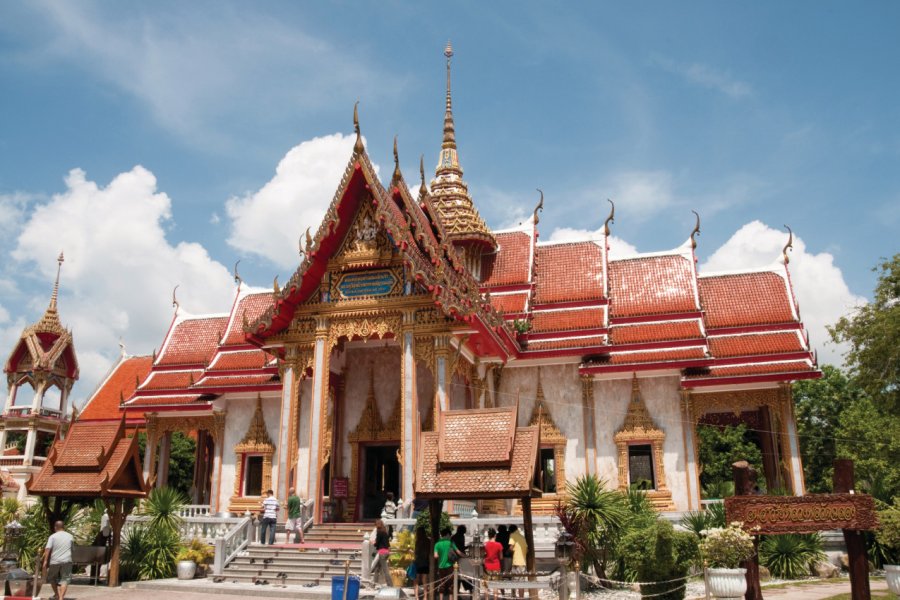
367,283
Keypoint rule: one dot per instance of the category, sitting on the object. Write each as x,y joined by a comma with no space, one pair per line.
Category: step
252,578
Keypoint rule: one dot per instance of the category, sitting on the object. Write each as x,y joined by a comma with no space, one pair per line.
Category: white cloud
818,283
641,194
271,221
120,269
618,248
708,77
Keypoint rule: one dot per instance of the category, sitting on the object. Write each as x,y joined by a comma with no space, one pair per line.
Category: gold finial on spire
55,294
611,218
396,160
539,207
309,242
237,276
422,188
696,230
276,291
449,133
175,303
358,145
788,246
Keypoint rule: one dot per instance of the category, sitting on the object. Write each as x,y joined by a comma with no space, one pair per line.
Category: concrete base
205,586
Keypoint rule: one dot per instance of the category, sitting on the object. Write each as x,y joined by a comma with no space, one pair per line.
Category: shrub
403,549
790,556
601,515
888,534
149,552
424,520
659,553
698,521
37,530
726,547
163,506
198,551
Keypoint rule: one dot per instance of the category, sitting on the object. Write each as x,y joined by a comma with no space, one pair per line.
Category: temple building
406,307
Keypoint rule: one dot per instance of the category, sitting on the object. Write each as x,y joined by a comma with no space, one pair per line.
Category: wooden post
434,512
856,546
529,541
744,481
116,521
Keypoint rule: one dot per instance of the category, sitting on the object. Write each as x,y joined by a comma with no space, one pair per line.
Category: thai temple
405,307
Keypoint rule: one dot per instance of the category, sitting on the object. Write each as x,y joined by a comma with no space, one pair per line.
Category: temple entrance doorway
379,474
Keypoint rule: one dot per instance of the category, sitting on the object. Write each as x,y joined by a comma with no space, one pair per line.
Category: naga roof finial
175,303
539,207
358,145
237,276
276,291
422,188
611,218
696,230
309,242
788,246
396,160
122,347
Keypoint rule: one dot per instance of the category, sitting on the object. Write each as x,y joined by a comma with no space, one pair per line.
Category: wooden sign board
340,487
771,515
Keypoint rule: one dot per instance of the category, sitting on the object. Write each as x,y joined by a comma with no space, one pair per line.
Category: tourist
58,560
422,560
503,540
493,555
519,550
294,523
269,518
459,540
445,554
389,512
382,552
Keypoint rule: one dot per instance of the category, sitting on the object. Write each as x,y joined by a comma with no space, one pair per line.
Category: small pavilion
480,454
95,460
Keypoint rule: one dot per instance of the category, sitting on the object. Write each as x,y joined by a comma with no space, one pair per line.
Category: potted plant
888,536
724,549
193,559
403,548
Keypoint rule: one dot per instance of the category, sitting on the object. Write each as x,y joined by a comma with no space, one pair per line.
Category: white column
38,398
162,472
320,382
410,404
284,437
10,395
690,458
149,454
587,415
30,441
790,426
2,439
216,483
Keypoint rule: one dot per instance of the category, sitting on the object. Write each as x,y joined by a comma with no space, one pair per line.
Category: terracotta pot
892,575
727,583
398,577
186,569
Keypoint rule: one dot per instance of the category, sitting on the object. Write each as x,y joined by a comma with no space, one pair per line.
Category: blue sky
771,112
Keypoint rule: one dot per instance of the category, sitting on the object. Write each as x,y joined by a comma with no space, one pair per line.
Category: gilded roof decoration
257,437
541,417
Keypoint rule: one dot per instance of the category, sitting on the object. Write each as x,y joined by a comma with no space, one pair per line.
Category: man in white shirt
58,560
269,518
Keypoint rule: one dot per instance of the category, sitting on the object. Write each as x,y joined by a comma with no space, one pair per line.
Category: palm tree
601,515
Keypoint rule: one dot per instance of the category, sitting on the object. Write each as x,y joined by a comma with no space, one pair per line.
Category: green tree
870,437
720,447
601,516
182,454
819,405
872,332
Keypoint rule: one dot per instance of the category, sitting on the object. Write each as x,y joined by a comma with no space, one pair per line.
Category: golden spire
358,145
396,160
449,133
53,296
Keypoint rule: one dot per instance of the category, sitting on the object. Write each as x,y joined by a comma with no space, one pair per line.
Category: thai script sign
367,283
340,487
803,514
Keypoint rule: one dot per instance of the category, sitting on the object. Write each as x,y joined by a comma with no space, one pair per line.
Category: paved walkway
819,591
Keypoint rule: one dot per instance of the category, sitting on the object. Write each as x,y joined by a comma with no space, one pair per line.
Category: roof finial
122,347
358,146
422,188
237,276
175,303
59,261
611,218
309,242
539,207
696,230
788,246
396,160
449,134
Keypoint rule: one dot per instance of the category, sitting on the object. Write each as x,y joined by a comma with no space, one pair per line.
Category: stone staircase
325,551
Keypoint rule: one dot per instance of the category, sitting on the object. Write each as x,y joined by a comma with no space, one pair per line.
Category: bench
92,556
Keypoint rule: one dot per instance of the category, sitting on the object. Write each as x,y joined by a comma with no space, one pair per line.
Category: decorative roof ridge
794,330
760,362
526,227
776,268
612,349
659,322
595,241
684,251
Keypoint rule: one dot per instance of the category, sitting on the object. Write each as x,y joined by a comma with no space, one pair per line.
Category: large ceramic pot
398,577
186,569
892,574
727,583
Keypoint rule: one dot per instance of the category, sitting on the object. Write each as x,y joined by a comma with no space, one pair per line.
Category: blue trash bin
337,588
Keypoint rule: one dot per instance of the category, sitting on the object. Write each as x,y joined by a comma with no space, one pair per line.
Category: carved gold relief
639,428
364,327
551,436
255,442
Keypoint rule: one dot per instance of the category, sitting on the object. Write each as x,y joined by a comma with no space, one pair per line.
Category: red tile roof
253,305
657,356
118,386
572,342
236,380
562,320
793,366
755,344
655,332
243,359
745,299
193,341
162,400
509,303
651,285
95,459
510,264
476,437
171,380
512,481
569,272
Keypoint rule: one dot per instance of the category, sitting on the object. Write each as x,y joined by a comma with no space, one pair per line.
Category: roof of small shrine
96,458
119,384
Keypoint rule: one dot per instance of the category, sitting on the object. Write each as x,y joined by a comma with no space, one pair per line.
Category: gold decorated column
691,472
588,418
321,352
442,373
409,404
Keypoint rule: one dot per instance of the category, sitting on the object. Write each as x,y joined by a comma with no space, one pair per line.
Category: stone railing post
365,560
219,559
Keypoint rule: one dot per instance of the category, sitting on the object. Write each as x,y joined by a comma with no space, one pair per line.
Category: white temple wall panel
303,438
425,390
611,398
240,413
662,396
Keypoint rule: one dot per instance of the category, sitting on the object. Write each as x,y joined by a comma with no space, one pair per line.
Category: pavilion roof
96,458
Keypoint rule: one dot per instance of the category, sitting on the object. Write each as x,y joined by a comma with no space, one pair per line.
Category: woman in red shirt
493,552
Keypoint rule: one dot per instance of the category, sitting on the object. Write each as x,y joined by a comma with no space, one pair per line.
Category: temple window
253,475
640,467
548,470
